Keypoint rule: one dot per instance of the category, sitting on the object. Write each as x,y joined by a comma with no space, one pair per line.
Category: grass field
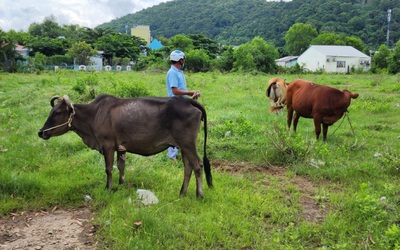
273,189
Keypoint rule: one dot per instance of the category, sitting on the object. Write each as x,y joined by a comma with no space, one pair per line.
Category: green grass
273,189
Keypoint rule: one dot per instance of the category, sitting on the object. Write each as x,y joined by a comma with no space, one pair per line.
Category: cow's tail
206,162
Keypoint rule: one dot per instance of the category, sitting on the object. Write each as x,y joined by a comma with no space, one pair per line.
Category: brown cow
276,92
324,104
144,126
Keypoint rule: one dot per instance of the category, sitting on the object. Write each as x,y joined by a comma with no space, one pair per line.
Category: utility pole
389,11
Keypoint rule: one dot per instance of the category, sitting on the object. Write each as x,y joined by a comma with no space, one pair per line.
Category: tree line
236,22
52,44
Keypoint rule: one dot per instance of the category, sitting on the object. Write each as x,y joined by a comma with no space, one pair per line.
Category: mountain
238,21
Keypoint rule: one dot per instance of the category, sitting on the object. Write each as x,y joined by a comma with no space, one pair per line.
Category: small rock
88,198
147,197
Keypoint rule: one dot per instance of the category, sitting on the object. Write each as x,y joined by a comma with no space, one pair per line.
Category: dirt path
58,229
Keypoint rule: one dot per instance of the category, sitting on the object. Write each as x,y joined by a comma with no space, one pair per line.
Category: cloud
18,15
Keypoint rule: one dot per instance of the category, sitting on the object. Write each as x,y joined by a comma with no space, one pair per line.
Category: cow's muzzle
42,135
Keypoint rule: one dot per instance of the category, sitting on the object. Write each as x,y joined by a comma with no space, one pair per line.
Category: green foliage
126,90
181,42
37,62
390,161
119,45
8,56
48,46
393,236
90,86
332,38
49,28
197,61
60,60
87,87
228,22
257,55
370,207
287,149
381,59
82,52
299,37
239,126
226,61
394,65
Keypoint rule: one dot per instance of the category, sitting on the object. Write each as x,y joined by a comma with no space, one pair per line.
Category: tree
225,62
202,42
256,55
355,42
329,38
81,51
244,60
197,60
48,46
332,38
394,63
15,37
49,28
8,56
91,36
181,42
299,37
119,45
380,59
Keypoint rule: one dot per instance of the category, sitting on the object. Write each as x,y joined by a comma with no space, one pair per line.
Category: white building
287,61
334,59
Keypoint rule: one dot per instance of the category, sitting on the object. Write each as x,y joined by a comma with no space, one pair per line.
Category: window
341,64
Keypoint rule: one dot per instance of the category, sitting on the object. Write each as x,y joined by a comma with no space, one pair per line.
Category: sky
19,14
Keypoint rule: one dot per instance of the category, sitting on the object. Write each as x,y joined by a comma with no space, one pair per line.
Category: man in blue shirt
176,86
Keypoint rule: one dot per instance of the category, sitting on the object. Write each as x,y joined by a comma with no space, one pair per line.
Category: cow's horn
67,101
53,99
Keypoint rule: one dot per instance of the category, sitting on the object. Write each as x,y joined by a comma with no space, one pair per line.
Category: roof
337,50
155,44
286,59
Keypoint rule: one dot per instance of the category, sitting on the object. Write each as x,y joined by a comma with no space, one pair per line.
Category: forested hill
238,21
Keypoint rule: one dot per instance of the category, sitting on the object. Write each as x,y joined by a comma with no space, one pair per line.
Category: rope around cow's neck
65,123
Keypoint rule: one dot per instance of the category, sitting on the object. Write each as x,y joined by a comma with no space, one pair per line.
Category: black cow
144,126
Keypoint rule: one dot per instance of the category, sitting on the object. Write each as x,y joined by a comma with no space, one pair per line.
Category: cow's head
60,118
350,94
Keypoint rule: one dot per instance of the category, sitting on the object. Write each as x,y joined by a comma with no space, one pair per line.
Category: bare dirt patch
70,229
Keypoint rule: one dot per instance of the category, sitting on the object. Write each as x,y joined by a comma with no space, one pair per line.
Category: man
176,86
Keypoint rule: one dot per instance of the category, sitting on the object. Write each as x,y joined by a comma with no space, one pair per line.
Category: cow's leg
289,116
192,163
187,170
121,154
317,125
295,121
324,131
109,160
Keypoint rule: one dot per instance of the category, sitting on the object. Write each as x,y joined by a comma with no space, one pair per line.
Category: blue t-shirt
175,78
